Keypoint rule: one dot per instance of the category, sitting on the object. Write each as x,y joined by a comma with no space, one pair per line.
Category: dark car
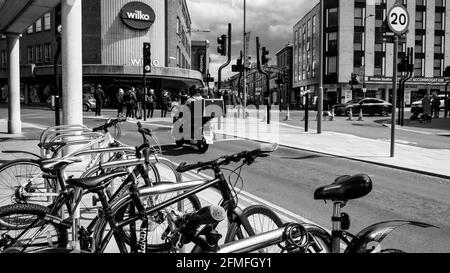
370,106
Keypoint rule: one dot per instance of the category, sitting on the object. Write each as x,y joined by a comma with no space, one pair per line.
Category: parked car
89,103
370,106
417,107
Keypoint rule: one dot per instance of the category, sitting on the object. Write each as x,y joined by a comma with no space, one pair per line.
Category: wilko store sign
137,15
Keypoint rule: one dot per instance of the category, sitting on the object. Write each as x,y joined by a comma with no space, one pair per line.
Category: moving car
370,106
417,107
89,103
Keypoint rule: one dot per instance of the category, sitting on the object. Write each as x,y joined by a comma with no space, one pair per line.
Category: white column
72,62
14,122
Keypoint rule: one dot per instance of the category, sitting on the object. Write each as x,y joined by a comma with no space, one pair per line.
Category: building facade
353,43
113,35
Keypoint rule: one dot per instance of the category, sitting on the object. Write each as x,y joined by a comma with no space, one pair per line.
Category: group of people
130,103
431,107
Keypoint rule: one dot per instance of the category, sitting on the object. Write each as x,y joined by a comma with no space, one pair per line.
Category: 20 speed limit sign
398,19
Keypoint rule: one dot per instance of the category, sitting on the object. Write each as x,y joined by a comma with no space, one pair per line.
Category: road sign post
398,21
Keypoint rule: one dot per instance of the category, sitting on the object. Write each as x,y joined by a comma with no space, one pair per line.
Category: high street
289,177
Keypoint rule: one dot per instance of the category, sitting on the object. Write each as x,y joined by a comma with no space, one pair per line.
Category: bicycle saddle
49,145
54,165
94,183
345,188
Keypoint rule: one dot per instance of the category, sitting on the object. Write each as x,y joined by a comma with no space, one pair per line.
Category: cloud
272,21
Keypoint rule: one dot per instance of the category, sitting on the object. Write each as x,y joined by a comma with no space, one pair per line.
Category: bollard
361,115
332,118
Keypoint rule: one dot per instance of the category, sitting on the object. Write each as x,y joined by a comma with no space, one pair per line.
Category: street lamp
365,47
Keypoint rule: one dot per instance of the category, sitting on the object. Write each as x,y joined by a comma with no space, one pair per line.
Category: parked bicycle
72,197
130,219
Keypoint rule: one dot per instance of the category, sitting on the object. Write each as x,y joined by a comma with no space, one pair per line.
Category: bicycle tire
235,230
119,208
392,251
25,216
18,173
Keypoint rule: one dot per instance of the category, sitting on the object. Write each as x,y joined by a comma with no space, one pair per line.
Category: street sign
398,19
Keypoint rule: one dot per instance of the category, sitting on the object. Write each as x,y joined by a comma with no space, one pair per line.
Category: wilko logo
138,15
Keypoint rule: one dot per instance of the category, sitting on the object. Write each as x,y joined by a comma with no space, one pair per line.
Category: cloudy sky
271,20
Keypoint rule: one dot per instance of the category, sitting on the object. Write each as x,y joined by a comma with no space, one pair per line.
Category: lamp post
365,46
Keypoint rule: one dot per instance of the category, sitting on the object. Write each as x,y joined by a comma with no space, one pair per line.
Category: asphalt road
289,177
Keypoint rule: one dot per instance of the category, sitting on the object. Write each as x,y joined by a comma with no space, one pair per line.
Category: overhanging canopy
17,15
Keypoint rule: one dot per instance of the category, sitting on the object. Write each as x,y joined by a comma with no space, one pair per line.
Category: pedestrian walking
120,102
139,103
151,103
165,104
99,96
436,105
130,102
426,102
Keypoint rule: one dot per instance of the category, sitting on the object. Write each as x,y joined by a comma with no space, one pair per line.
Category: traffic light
265,56
58,26
222,48
403,66
147,59
447,72
286,78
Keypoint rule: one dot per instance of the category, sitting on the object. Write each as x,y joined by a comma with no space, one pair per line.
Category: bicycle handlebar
110,123
248,156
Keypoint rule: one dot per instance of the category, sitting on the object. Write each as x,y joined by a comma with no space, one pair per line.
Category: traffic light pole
267,94
228,60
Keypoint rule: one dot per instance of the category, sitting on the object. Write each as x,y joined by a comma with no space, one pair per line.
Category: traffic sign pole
398,21
394,96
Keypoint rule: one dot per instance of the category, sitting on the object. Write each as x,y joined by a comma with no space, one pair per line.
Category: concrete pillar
72,62
14,122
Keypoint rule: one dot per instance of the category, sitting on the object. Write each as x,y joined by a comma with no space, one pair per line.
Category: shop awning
17,15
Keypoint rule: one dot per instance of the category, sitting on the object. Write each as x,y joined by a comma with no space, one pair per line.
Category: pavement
432,162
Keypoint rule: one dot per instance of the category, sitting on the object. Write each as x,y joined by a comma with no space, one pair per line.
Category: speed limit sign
398,19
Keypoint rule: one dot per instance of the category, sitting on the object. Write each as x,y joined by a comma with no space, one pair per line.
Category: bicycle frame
234,213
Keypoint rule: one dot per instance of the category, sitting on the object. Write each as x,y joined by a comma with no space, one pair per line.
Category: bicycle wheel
19,179
30,230
157,222
261,219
